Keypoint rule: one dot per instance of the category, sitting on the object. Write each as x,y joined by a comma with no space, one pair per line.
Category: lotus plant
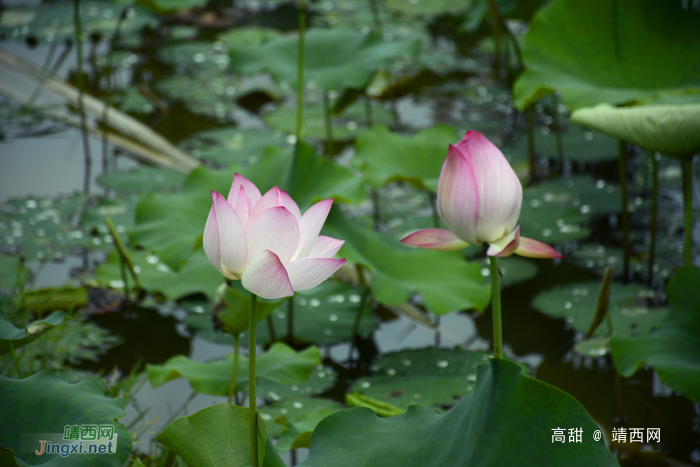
274,250
479,199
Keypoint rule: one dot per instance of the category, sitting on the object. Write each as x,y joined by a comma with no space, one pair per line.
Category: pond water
175,78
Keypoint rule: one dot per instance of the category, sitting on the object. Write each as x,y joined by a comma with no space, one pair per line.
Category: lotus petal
250,189
325,247
533,249
267,278
306,273
274,229
233,246
458,196
310,225
435,239
505,246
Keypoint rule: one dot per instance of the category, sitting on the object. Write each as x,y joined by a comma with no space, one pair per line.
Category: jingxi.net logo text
75,440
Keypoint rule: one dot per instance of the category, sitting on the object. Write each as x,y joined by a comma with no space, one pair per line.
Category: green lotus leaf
508,418
673,348
673,130
226,146
12,272
44,404
445,282
281,365
232,315
334,59
293,421
174,234
169,6
387,157
427,8
629,313
19,337
219,436
142,180
614,52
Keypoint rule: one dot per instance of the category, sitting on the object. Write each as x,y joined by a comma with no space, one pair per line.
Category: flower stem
496,308
251,381
81,109
376,17
625,210
560,138
688,205
15,361
234,374
654,215
290,322
329,123
300,71
355,328
530,141
368,112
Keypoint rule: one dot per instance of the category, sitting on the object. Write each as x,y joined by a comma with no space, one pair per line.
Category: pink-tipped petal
325,247
266,277
505,246
310,225
306,273
458,196
500,191
269,200
210,241
291,206
243,206
533,249
274,229
435,239
251,190
233,246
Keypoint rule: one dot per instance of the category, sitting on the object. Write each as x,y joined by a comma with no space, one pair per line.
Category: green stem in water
654,215
496,25
300,73
290,322
433,206
625,211
234,374
530,141
81,110
271,328
560,138
251,381
688,206
496,308
15,360
329,123
376,17
358,318
368,112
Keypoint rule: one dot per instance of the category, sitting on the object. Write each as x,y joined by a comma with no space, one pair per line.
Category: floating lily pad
432,378
428,8
41,228
352,123
119,210
232,305
596,257
19,337
54,21
169,6
172,233
293,421
595,51
12,272
334,59
281,365
131,100
513,270
247,35
494,426
386,157
673,348
445,282
143,180
228,146
219,436
594,347
321,379
628,309
673,130
197,275
44,404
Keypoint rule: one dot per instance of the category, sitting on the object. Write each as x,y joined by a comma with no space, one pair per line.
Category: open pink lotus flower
267,243
479,199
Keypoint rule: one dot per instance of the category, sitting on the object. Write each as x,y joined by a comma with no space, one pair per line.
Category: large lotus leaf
281,365
55,22
169,6
173,233
142,180
19,337
615,52
334,59
219,436
293,421
386,157
444,280
673,348
427,8
557,210
629,313
322,378
508,418
43,403
197,275
247,35
41,228
324,315
513,269
511,9
673,130
427,377
350,124
119,210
